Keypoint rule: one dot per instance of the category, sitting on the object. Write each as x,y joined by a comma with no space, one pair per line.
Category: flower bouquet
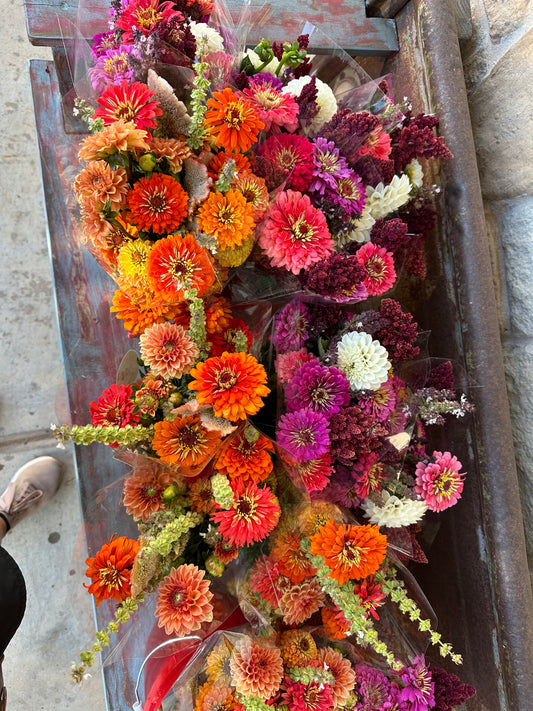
253,216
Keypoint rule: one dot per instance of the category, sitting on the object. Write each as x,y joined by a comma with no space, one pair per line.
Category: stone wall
498,64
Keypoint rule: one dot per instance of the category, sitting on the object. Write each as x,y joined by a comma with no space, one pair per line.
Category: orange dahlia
298,648
139,310
232,383
257,671
178,263
232,121
350,551
299,602
246,458
174,150
118,137
218,316
242,164
110,569
143,490
157,203
342,670
186,443
215,697
168,350
228,217
184,601
101,183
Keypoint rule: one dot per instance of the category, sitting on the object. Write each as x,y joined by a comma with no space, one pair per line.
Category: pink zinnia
264,578
379,267
439,483
254,514
294,234
307,697
286,157
274,109
143,15
381,403
168,350
288,363
377,144
129,102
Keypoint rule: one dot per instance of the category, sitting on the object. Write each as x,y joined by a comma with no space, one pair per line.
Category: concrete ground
48,547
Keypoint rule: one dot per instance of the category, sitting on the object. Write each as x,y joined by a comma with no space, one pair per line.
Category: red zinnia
129,102
286,157
157,203
110,569
114,407
143,15
254,514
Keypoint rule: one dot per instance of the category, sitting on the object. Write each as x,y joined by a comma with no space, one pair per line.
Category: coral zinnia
379,267
228,217
253,515
178,263
157,203
232,383
110,569
143,490
439,483
186,443
129,102
294,234
274,109
256,670
350,551
335,624
184,601
114,407
139,310
244,457
313,473
242,164
292,561
232,121
168,350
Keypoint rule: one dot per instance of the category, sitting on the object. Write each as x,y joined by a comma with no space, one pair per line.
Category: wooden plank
344,21
92,345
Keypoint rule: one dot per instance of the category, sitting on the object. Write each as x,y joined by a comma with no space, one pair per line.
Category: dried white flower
384,199
394,511
208,40
364,361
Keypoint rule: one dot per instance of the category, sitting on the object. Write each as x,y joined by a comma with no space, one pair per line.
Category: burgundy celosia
416,139
399,334
339,277
450,691
391,234
352,434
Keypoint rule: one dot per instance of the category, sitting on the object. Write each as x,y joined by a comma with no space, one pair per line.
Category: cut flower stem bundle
258,223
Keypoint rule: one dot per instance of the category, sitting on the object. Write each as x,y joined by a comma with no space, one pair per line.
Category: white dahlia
384,199
327,103
360,233
364,362
208,40
393,512
416,174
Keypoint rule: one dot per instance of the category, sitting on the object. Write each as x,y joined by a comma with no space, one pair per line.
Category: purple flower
290,327
304,434
103,41
374,688
348,193
329,165
322,389
266,78
419,688
112,67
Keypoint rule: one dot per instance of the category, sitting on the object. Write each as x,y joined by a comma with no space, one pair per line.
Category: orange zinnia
218,316
178,263
186,443
138,310
228,217
232,121
242,164
110,569
350,551
232,383
157,203
243,459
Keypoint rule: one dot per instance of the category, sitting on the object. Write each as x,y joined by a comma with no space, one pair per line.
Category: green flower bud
147,162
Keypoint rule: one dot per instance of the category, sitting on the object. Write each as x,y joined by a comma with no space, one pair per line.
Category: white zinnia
384,199
208,40
394,512
325,98
364,361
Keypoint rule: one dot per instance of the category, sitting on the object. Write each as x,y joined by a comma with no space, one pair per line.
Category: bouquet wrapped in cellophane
259,210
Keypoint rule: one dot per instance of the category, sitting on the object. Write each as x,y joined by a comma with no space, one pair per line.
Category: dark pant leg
12,598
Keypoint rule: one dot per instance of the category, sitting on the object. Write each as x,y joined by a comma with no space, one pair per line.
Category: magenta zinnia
253,515
294,234
322,389
304,434
129,102
439,483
